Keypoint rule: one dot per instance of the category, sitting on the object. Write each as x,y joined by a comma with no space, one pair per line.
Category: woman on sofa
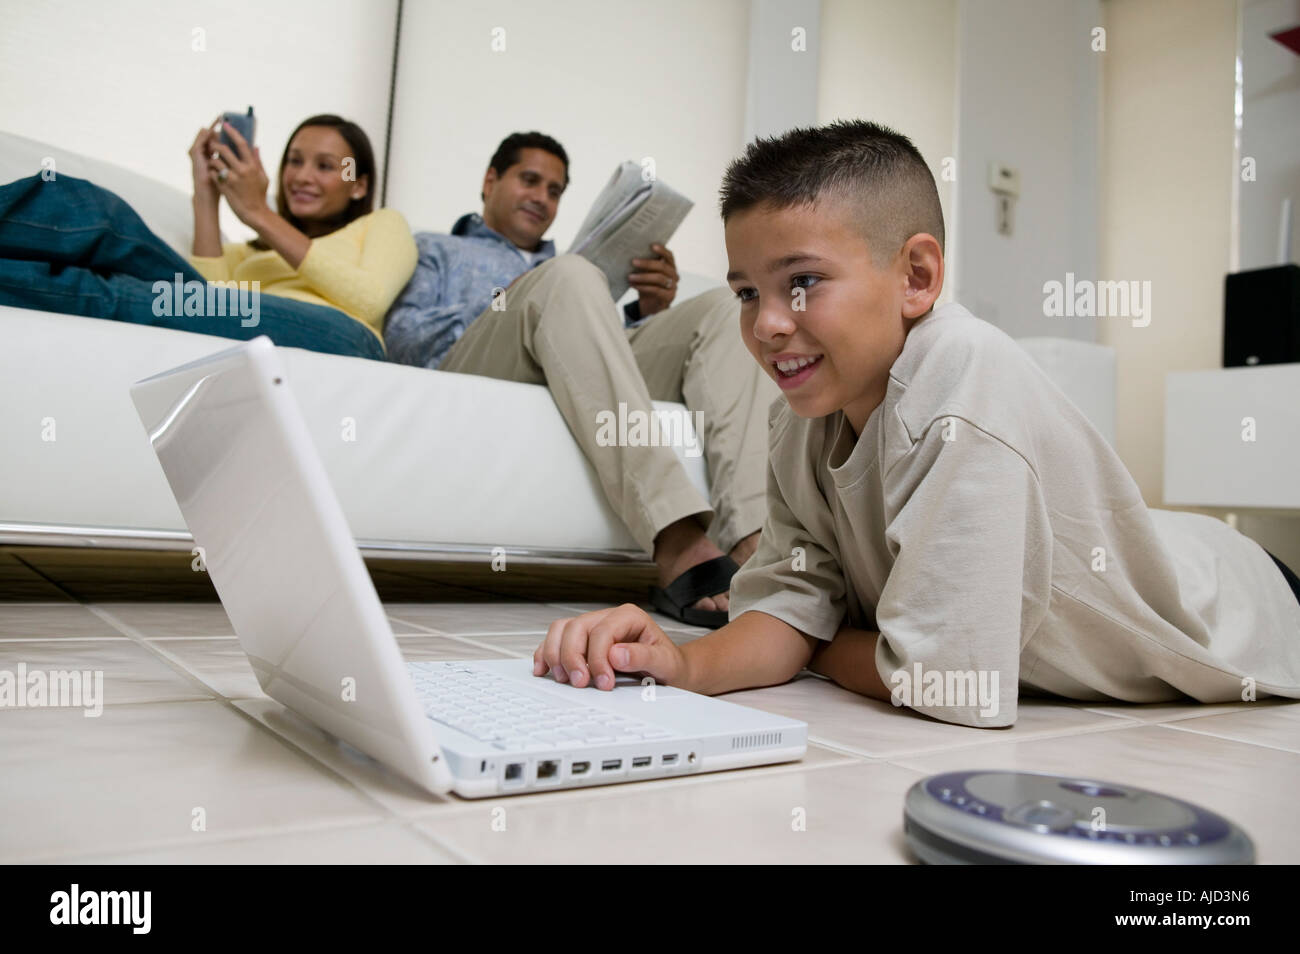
327,264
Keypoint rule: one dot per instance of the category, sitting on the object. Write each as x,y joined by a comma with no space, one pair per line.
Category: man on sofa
556,324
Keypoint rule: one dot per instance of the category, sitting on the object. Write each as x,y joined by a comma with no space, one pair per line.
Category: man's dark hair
507,153
871,166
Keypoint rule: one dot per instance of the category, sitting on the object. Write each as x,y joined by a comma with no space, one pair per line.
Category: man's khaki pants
558,327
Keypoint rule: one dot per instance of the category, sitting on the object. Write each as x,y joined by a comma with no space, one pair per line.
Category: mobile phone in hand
246,123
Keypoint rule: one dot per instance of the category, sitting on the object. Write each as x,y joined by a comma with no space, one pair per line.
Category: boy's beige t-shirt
982,523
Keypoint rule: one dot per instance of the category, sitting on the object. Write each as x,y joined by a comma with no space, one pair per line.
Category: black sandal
704,579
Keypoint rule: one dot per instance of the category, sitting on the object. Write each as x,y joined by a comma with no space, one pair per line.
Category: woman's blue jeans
68,246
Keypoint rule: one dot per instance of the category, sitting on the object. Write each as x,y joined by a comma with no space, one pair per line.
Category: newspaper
631,213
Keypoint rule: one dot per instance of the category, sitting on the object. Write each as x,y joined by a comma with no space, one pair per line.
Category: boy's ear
923,262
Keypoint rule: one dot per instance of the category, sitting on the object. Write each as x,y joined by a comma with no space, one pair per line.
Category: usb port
579,768
670,759
641,761
611,765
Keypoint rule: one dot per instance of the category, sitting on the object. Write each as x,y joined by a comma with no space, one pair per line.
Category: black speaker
1261,317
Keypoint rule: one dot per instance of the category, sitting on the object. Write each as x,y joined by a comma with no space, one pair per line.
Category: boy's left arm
849,660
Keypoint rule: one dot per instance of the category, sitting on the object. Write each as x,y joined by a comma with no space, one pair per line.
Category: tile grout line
131,633
464,857
1225,738
63,639
134,635
180,842
1190,712
437,632
425,630
477,645
1047,735
468,639
249,834
840,747
539,633
1113,715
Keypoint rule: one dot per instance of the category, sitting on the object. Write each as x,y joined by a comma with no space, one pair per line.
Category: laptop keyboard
489,707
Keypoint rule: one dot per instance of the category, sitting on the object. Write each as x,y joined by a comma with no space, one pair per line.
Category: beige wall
1167,166
897,70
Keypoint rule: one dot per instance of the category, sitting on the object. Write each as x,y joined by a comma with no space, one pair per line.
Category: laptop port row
550,768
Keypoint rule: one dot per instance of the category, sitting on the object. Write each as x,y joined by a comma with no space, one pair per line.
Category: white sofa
443,466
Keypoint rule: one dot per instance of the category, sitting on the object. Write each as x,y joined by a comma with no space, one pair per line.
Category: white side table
1232,438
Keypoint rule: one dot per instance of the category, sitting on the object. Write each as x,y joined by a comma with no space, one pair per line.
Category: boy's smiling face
856,313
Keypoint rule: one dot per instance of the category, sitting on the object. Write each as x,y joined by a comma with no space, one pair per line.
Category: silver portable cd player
1000,817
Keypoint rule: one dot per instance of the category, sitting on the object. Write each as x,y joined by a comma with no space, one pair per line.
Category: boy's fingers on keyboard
626,622
540,666
573,646
643,647
659,659
550,649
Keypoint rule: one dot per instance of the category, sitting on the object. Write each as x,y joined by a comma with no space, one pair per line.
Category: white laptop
233,443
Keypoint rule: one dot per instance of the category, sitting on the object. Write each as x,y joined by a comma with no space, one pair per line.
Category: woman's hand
238,175
207,230
201,165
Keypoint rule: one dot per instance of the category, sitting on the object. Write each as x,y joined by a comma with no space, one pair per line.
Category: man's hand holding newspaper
654,280
633,218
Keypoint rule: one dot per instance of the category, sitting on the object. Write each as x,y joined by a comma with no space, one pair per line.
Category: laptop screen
250,483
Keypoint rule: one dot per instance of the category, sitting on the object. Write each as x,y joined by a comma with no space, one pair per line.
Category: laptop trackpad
633,682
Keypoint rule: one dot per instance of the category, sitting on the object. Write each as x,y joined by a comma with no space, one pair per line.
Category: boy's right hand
589,650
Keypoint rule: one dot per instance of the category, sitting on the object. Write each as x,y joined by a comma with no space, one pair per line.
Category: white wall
122,81
610,81
900,71
1028,95
1270,132
784,38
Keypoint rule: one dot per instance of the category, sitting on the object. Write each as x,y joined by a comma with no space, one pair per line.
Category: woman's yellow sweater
359,269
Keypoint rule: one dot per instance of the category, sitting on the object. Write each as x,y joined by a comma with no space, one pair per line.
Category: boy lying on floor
945,529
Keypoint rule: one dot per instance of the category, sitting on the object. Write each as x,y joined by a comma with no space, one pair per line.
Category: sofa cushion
420,459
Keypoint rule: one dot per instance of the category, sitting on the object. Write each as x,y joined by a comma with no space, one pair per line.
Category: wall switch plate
1003,179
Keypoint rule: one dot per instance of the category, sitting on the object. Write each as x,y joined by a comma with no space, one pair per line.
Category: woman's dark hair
364,155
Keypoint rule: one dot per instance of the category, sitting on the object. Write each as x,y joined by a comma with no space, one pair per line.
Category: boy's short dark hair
507,153
872,166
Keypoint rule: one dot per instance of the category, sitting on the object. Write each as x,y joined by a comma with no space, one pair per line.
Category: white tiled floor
190,762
